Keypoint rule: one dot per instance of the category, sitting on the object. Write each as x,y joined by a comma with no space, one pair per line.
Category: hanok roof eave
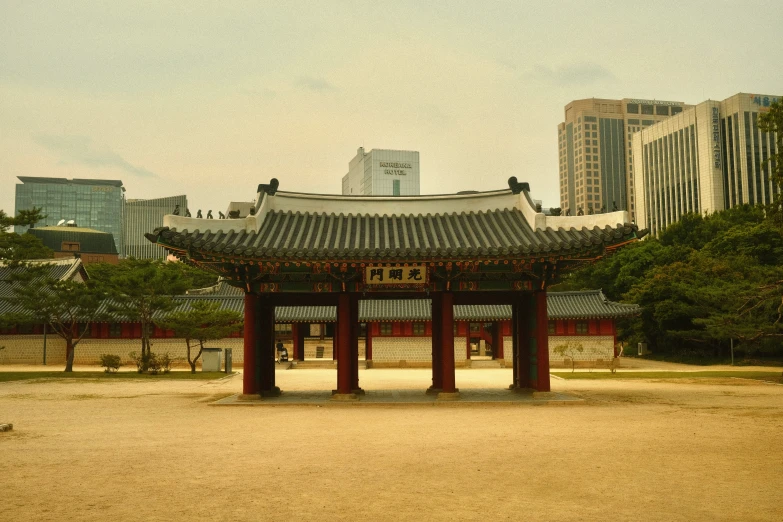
500,224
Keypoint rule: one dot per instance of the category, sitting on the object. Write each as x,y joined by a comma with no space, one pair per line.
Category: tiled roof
398,310
90,241
307,226
306,314
61,269
591,304
220,289
586,304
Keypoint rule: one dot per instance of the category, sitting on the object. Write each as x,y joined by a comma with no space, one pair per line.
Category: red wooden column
542,342
343,335
437,343
368,343
449,388
250,369
265,314
354,302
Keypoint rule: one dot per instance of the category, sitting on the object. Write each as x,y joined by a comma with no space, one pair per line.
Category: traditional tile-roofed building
61,269
92,246
485,248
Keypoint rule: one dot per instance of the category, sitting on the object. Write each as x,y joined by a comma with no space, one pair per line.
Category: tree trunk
192,363
69,352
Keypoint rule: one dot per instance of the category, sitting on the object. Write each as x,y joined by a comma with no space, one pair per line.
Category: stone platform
470,397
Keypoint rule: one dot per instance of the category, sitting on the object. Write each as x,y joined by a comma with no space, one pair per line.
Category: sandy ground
683,449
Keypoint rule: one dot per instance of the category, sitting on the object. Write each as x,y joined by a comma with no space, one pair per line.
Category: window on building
647,109
632,108
418,328
676,110
69,246
581,327
395,187
662,110
386,328
633,121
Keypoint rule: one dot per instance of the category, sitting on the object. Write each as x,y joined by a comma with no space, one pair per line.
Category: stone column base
448,396
344,397
433,391
274,392
357,391
249,397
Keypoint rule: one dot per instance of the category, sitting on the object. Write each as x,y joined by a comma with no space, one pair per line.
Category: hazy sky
209,100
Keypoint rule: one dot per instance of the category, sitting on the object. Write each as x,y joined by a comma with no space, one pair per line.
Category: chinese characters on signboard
716,137
395,275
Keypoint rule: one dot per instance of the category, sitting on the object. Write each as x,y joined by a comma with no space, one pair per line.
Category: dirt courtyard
683,449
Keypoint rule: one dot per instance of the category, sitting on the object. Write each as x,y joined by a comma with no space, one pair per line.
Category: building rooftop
292,225
74,181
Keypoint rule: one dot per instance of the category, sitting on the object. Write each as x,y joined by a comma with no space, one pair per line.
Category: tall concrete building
89,203
142,216
709,158
382,173
594,151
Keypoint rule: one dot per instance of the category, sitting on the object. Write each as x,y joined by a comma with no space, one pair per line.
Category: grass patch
177,375
761,376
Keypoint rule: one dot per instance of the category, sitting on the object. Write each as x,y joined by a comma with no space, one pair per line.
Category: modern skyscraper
143,215
90,203
709,158
382,173
594,151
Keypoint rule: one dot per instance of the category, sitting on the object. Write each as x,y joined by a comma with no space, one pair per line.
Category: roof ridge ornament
269,188
517,187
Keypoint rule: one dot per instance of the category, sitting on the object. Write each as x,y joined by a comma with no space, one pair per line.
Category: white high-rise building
708,158
382,172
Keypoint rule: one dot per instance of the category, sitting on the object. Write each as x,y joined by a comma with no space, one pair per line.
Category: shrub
165,362
110,362
139,360
153,364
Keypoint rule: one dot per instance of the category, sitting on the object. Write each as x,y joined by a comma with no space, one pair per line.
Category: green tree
138,289
15,247
772,121
65,306
705,281
204,321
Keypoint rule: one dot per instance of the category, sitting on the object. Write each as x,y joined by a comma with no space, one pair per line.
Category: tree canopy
139,288
705,281
203,322
17,247
66,306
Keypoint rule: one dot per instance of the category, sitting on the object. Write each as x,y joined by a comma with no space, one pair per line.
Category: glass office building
709,158
90,203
